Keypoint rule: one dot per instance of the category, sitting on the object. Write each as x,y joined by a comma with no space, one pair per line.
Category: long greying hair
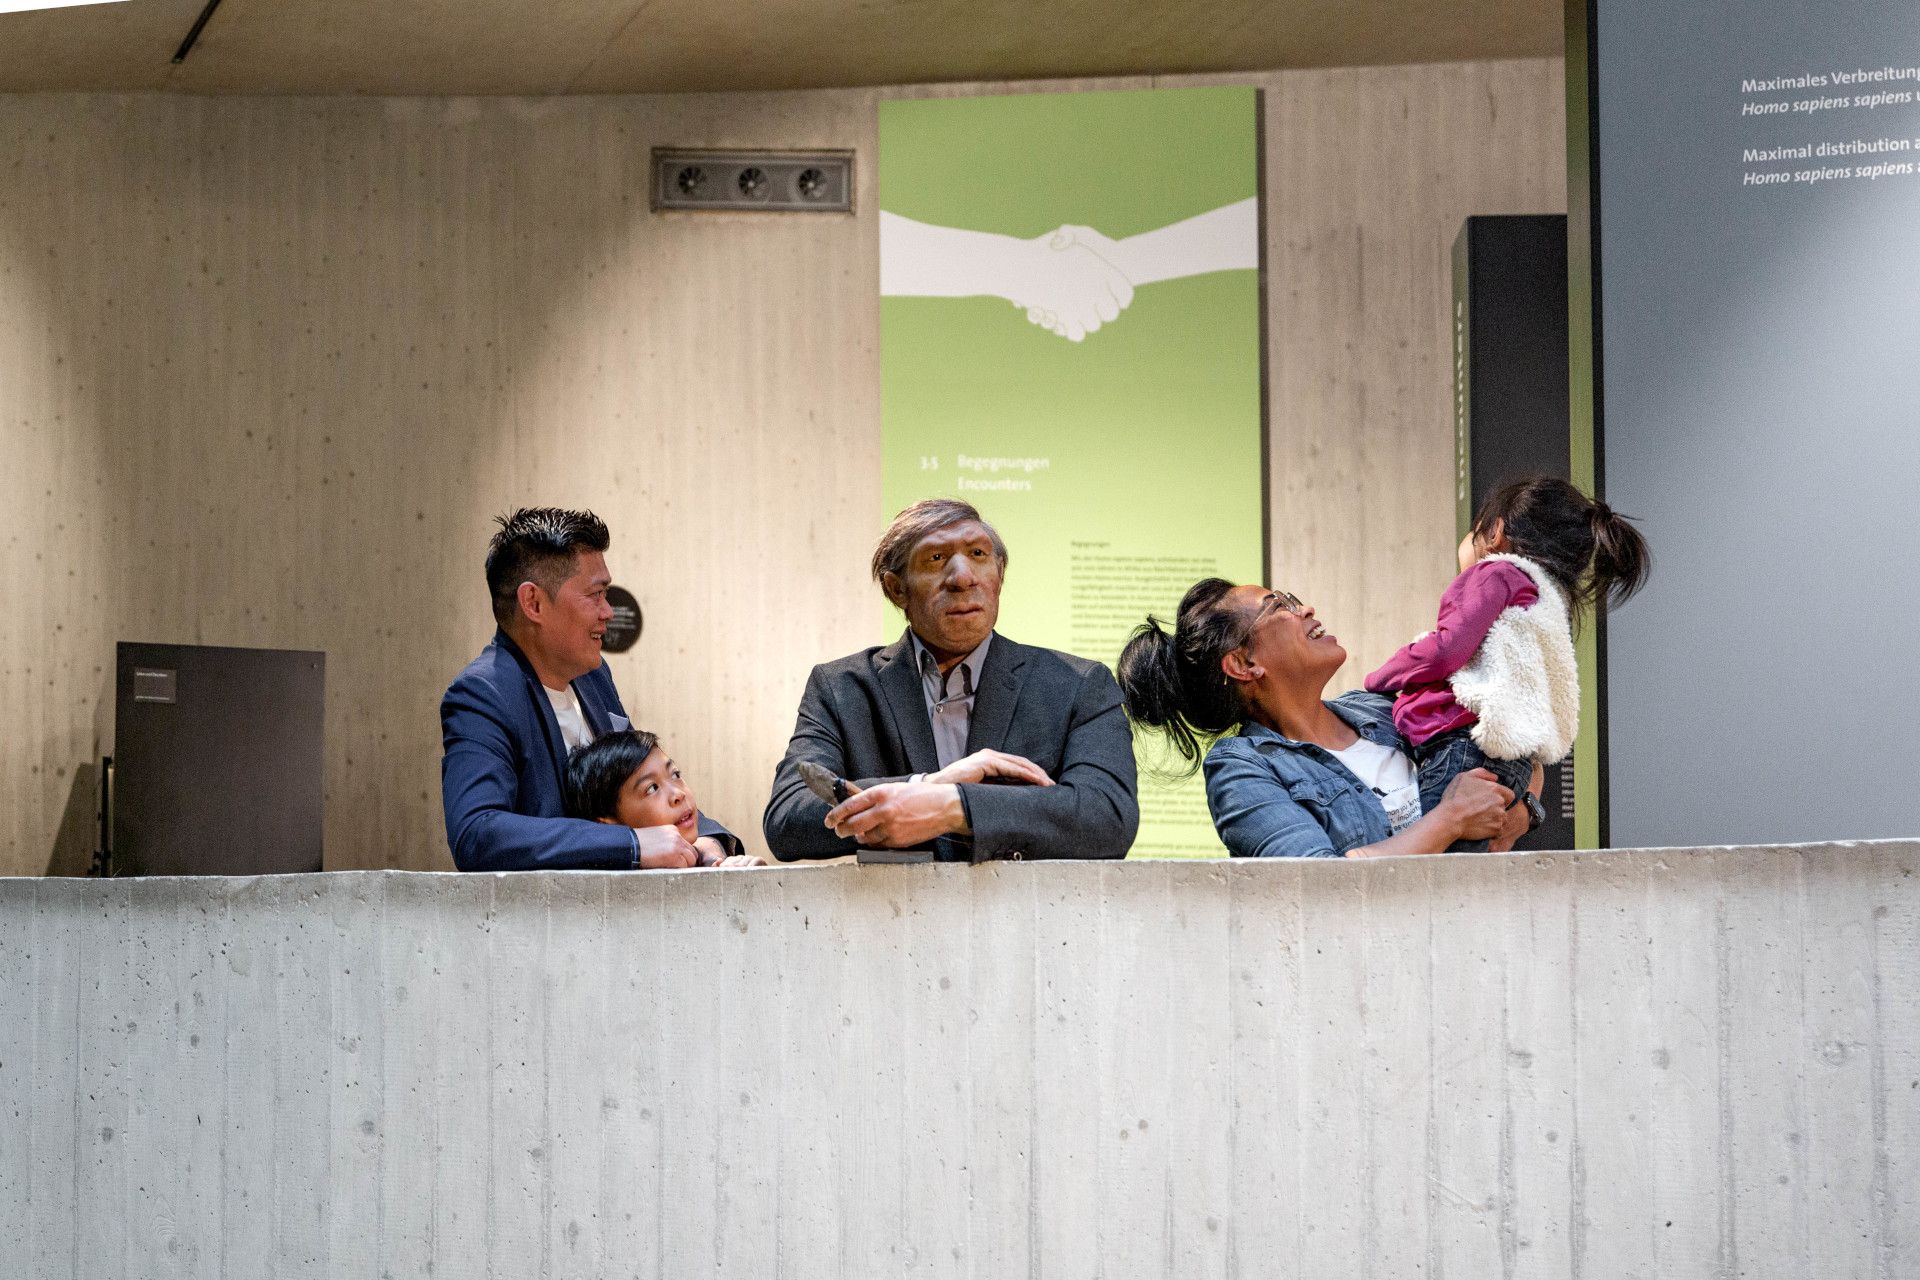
920,521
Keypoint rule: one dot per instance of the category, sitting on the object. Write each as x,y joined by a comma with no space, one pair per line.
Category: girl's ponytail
1621,558
1595,555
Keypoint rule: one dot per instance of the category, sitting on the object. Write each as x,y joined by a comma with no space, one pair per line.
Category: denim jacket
1273,797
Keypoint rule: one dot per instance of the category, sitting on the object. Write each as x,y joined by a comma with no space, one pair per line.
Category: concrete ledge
1674,1062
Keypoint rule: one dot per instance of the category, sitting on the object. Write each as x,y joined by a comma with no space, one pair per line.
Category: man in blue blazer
538,689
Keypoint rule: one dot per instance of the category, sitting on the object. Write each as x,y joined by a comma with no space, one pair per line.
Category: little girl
1494,684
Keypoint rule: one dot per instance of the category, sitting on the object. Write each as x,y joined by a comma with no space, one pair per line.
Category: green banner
1070,330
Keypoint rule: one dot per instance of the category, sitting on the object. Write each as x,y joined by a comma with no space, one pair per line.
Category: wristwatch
1536,812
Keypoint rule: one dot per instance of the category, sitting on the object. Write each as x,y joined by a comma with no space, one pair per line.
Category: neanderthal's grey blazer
865,718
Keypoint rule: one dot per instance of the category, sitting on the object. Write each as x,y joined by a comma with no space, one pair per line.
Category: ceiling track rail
193,35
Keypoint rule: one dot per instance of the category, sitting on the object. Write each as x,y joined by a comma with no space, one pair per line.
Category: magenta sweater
1419,673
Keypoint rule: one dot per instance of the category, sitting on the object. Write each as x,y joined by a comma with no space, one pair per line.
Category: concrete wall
269,365
1603,1065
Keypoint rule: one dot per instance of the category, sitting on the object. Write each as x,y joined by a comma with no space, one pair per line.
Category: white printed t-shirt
1391,776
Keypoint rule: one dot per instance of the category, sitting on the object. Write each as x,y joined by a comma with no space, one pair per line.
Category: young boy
625,778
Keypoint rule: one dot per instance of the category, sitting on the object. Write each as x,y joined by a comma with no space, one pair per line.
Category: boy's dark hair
597,771
1174,683
1595,555
538,545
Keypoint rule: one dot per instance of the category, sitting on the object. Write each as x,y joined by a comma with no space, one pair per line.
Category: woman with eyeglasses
1301,777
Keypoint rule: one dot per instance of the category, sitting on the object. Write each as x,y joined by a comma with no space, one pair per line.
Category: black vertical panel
1510,392
1510,287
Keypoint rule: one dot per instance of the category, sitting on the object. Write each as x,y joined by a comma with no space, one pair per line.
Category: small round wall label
624,627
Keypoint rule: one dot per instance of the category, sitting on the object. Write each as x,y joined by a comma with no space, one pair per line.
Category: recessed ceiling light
17,6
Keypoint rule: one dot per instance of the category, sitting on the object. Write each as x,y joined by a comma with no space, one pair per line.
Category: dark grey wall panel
218,760
1761,383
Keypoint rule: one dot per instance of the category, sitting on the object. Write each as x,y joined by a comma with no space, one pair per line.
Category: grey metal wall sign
623,630
1758,268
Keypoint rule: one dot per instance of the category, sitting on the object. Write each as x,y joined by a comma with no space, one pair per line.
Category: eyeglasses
1284,601
1281,600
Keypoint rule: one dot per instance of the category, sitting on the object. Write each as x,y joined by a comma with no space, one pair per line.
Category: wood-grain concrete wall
1676,1063
268,367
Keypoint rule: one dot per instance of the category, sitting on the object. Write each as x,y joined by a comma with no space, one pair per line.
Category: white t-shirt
573,721
1391,776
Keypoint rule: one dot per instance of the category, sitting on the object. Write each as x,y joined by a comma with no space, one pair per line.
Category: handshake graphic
1069,281
1073,282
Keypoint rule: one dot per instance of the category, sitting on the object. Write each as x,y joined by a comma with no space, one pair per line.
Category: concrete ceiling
676,46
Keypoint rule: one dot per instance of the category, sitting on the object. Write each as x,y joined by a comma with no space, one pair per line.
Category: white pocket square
620,723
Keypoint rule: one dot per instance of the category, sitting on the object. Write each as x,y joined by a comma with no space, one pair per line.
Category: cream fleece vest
1523,682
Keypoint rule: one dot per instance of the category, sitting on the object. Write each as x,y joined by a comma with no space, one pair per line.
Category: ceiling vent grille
755,181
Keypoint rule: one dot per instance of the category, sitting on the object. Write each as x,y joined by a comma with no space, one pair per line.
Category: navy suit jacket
865,718
503,777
